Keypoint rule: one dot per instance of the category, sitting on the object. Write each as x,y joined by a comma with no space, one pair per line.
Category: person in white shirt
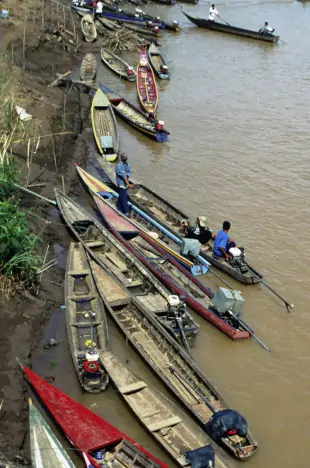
99,8
213,13
266,29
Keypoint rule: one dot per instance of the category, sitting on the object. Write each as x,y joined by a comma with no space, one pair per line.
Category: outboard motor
149,24
176,311
91,364
157,19
130,71
226,423
159,125
175,23
237,259
156,29
227,302
164,69
203,457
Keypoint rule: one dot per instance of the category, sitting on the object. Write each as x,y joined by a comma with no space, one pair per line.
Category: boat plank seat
115,269
95,243
134,284
153,302
132,388
117,261
78,273
84,324
112,291
169,422
81,298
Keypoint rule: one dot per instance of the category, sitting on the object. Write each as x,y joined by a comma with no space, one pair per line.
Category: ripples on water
238,112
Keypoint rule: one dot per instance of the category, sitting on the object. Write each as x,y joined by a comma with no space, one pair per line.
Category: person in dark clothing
123,173
198,230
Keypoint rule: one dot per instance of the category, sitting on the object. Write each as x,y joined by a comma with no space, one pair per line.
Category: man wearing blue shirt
223,243
123,173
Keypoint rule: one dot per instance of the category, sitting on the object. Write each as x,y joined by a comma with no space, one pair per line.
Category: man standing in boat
123,173
213,13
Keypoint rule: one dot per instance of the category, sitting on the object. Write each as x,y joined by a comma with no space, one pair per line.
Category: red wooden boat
175,277
146,84
94,437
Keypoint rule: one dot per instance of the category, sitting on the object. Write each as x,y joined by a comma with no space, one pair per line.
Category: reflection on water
238,112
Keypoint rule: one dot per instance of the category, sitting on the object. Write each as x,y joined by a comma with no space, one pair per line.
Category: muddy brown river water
238,112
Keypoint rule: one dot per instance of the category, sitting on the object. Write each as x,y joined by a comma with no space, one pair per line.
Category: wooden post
63,184
43,4
64,115
24,36
54,154
12,54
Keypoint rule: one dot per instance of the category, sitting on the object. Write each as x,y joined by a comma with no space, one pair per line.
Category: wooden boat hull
88,67
146,85
159,415
86,321
224,28
158,62
86,431
114,257
176,278
119,66
46,450
88,28
167,359
135,117
104,126
142,30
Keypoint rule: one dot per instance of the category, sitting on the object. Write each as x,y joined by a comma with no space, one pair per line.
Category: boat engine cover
223,422
203,457
225,299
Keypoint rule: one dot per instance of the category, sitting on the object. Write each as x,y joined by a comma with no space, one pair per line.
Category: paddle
288,306
224,21
248,329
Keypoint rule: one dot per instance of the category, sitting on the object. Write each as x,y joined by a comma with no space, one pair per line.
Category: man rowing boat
266,29
213,13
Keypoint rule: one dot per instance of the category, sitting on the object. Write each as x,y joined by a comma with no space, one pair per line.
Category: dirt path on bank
22,316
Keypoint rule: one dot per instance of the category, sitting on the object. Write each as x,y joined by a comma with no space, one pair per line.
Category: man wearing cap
198,230
123,173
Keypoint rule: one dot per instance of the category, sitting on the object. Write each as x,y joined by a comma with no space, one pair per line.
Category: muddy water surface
238,112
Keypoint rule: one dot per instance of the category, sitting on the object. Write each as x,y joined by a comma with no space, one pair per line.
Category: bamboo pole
24,36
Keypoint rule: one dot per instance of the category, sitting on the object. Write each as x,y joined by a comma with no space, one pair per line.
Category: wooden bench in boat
169,422
132,388
113,292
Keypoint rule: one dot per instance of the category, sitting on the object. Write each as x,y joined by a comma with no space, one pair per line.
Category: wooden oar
287,304
225,21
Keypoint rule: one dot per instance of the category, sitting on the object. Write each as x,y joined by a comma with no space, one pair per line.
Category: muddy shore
23,316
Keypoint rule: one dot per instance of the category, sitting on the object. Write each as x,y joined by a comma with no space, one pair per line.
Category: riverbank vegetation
19,262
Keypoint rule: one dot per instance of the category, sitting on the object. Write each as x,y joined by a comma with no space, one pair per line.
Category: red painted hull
109,215
146,84
84,429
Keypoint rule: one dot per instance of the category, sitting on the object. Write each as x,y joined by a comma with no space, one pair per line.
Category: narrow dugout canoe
146,84
86,321
114,257
172,364
45,449
168,270
90,434
136,117
104,126
118,65
88,28
158,62
159,415
225,28
88,67
142,30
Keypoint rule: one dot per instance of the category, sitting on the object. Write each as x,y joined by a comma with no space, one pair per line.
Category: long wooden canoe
163,218
146,84
90,434
225,28
88,28
143,30
158,414
136,117
46,450
118,65
88,67
169,361
168,270
158,62
123,265
86,321
104,126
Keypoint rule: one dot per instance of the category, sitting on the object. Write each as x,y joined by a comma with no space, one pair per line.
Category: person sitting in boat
213,13
223,243
266,29
123,173
198,230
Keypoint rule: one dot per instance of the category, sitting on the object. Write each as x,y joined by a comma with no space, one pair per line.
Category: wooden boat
118,65
88,67
225,28
168,270
159,415
88,28
158,62
109,24
163,218
96,439
146,84
104,126
86,321
171,363
114,257
46,450
135,117
142,30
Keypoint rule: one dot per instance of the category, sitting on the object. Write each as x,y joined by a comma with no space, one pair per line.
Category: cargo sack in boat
190,247
226,423
203,457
